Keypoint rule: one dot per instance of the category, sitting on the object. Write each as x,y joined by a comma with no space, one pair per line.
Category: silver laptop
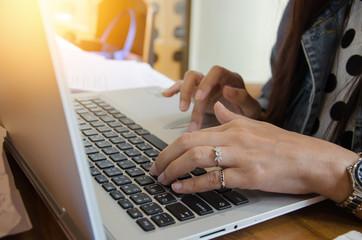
88,155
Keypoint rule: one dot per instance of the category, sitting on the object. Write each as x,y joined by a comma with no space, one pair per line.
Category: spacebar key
155,141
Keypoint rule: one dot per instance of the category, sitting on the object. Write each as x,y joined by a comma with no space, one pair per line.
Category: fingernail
153,169
161,178
198,94
183,105
193,126
177,186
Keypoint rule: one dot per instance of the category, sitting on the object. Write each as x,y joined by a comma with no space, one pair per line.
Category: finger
175,88
184,143
245,103
202,157
224,115
212,78
206,182
188,88
197,115
217,76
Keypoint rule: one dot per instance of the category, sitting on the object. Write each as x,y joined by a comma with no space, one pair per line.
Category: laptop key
136,140
154,189
130,189
141,159
97,157
126,121
198,171
145,224
96,138
90,132
147,166
103,144
110,134
144,180
235,197
135,172
115,124
112,172
121,129
126,164
140,198
215,200
128,135
118,157
117,140
163,219
108,186
124,146
110,150
152,153
104,164
135,126
165,198
197,205
117,195
134,213
185,176
151,208
158,143
95,171
142,132
144,147
125,203
89,117
132,152
91,150
121,180
181,212
101,179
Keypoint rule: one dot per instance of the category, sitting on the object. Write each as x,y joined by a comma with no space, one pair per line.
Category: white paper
90,72
352,235
13,216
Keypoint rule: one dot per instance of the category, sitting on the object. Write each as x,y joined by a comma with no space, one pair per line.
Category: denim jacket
319,44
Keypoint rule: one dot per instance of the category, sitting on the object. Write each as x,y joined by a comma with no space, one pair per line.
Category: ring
218,157
222,177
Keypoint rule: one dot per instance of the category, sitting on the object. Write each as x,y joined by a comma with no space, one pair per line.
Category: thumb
223,114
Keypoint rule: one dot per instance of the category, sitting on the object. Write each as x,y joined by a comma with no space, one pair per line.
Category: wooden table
320,221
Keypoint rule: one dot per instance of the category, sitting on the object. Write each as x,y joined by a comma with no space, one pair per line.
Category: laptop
88,154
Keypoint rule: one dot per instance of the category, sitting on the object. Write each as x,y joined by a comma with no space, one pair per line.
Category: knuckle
217,69
192,75
197,154
184,140
214,178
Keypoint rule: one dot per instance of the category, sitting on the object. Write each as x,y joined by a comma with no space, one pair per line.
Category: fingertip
177,186
183,105
194,126
153,169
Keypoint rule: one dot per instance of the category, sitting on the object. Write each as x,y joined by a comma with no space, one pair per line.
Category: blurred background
176,35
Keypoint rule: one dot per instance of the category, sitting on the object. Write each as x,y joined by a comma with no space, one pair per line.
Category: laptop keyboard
120,154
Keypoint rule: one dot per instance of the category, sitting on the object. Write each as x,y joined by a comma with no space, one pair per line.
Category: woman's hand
256,155
218,85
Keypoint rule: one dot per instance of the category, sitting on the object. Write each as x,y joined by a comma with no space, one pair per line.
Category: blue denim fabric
319,44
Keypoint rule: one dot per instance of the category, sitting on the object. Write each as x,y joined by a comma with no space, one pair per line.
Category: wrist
354,200
331,178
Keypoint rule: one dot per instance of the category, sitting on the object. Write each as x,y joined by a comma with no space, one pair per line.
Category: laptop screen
36,111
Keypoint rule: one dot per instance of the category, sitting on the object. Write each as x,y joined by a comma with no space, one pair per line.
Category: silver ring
218,157
222,178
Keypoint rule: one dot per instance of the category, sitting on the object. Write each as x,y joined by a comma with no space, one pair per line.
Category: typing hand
218,85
